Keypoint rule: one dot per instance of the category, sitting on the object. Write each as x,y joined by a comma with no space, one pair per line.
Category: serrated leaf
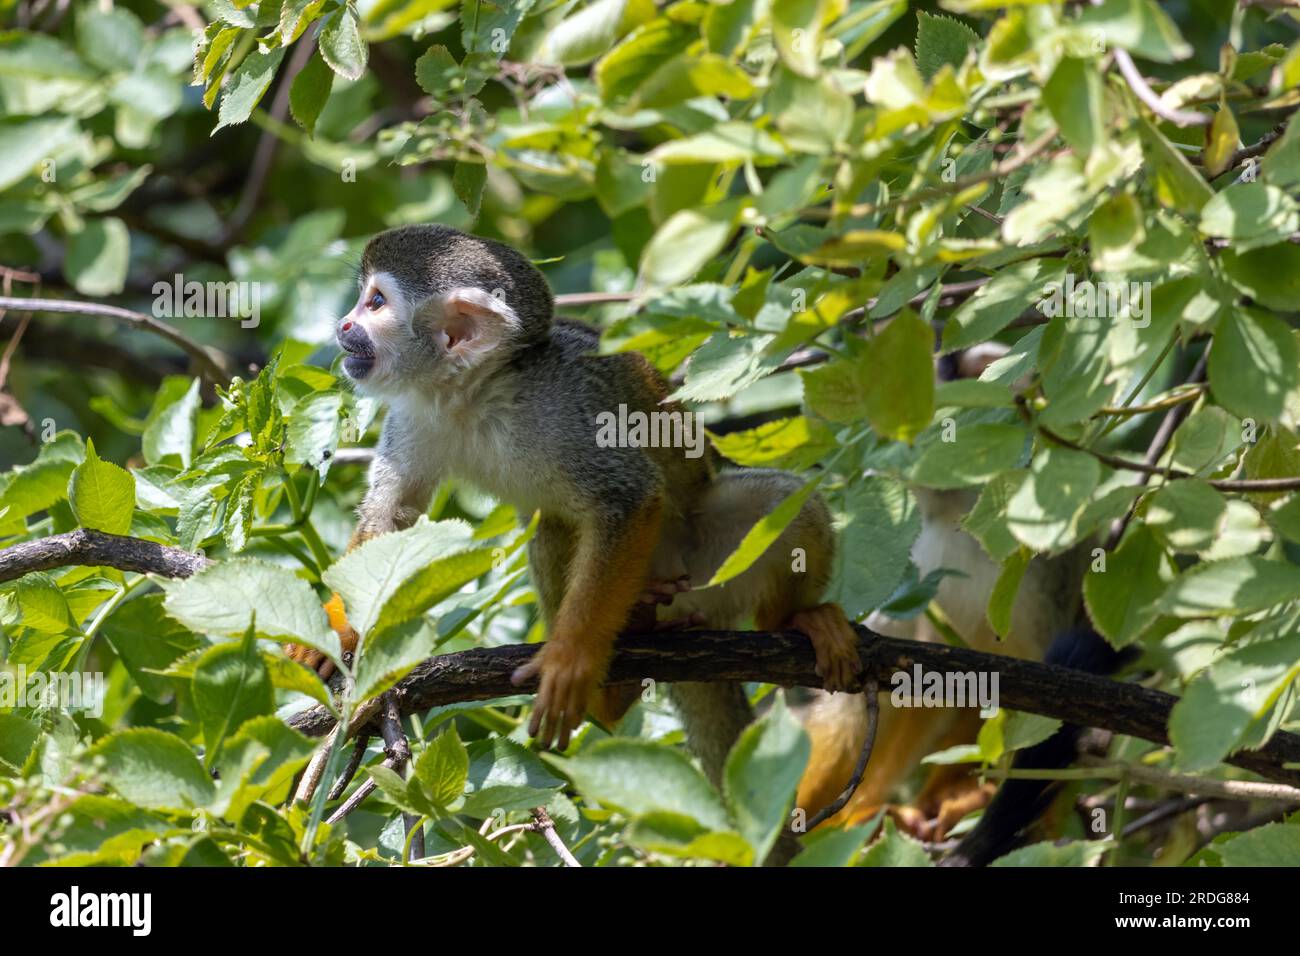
310,92
101,494
154,769
762,774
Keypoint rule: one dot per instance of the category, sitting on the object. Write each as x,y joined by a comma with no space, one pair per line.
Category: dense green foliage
751,174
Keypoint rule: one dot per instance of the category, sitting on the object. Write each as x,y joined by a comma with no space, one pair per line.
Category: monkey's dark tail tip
1018,803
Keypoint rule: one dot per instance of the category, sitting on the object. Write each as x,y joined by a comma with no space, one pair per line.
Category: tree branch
787,659
212,363
777,658
96,549
1142,89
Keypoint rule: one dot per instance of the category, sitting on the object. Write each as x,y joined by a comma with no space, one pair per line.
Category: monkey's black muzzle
355,340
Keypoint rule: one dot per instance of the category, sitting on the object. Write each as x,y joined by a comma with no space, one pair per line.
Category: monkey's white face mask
393,343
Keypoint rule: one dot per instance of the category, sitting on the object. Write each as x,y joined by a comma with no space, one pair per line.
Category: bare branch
96,549
1138,84
214,365
787,659
546,827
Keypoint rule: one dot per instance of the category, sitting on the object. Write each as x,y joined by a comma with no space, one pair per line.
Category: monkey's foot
568,675
945,808
834,642
314,659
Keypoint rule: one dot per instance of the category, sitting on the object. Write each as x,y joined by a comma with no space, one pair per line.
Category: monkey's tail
1018,803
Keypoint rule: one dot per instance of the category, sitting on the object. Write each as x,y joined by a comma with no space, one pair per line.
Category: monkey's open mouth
358,366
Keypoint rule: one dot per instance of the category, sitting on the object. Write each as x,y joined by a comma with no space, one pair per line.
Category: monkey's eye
376,301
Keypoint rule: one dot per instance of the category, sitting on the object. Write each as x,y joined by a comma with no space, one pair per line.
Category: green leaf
676,835
1272,845
98,256
442,769
368,576
1122,596
941,41
467,181
1231,587
996,304
1075,853
43,605
101,494
895,849
797,31
1187,515
1002,599
1253,365
1043,510
147,641
641,777
761,536
154,769
244,90
230,685
341,44
878,523
795,443
310,92
689,76
892,381
505,776
1217,710
1139,26
835,847
762,775
313,431
171,424
18,736
1221,140
1076,98
1250,214
975,455
593,29
1177,183
1265,274
110,39
688,240
222,600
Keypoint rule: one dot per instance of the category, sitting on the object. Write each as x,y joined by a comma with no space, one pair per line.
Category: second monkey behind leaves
455,333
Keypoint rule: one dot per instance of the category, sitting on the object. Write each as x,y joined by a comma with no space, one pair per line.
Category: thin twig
1096,768
269,142
214,365
996,171
1138,84
311,777
1159,444
546,828
868,744
354,762
397,751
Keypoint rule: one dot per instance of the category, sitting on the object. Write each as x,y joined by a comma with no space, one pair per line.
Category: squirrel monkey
456,334
1044,626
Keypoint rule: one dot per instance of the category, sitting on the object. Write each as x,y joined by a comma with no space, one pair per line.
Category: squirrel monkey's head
437,305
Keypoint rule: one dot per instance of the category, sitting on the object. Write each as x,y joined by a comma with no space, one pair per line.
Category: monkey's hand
569,675
347,637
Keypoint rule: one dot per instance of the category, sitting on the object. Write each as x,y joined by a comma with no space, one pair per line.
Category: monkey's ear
473,323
